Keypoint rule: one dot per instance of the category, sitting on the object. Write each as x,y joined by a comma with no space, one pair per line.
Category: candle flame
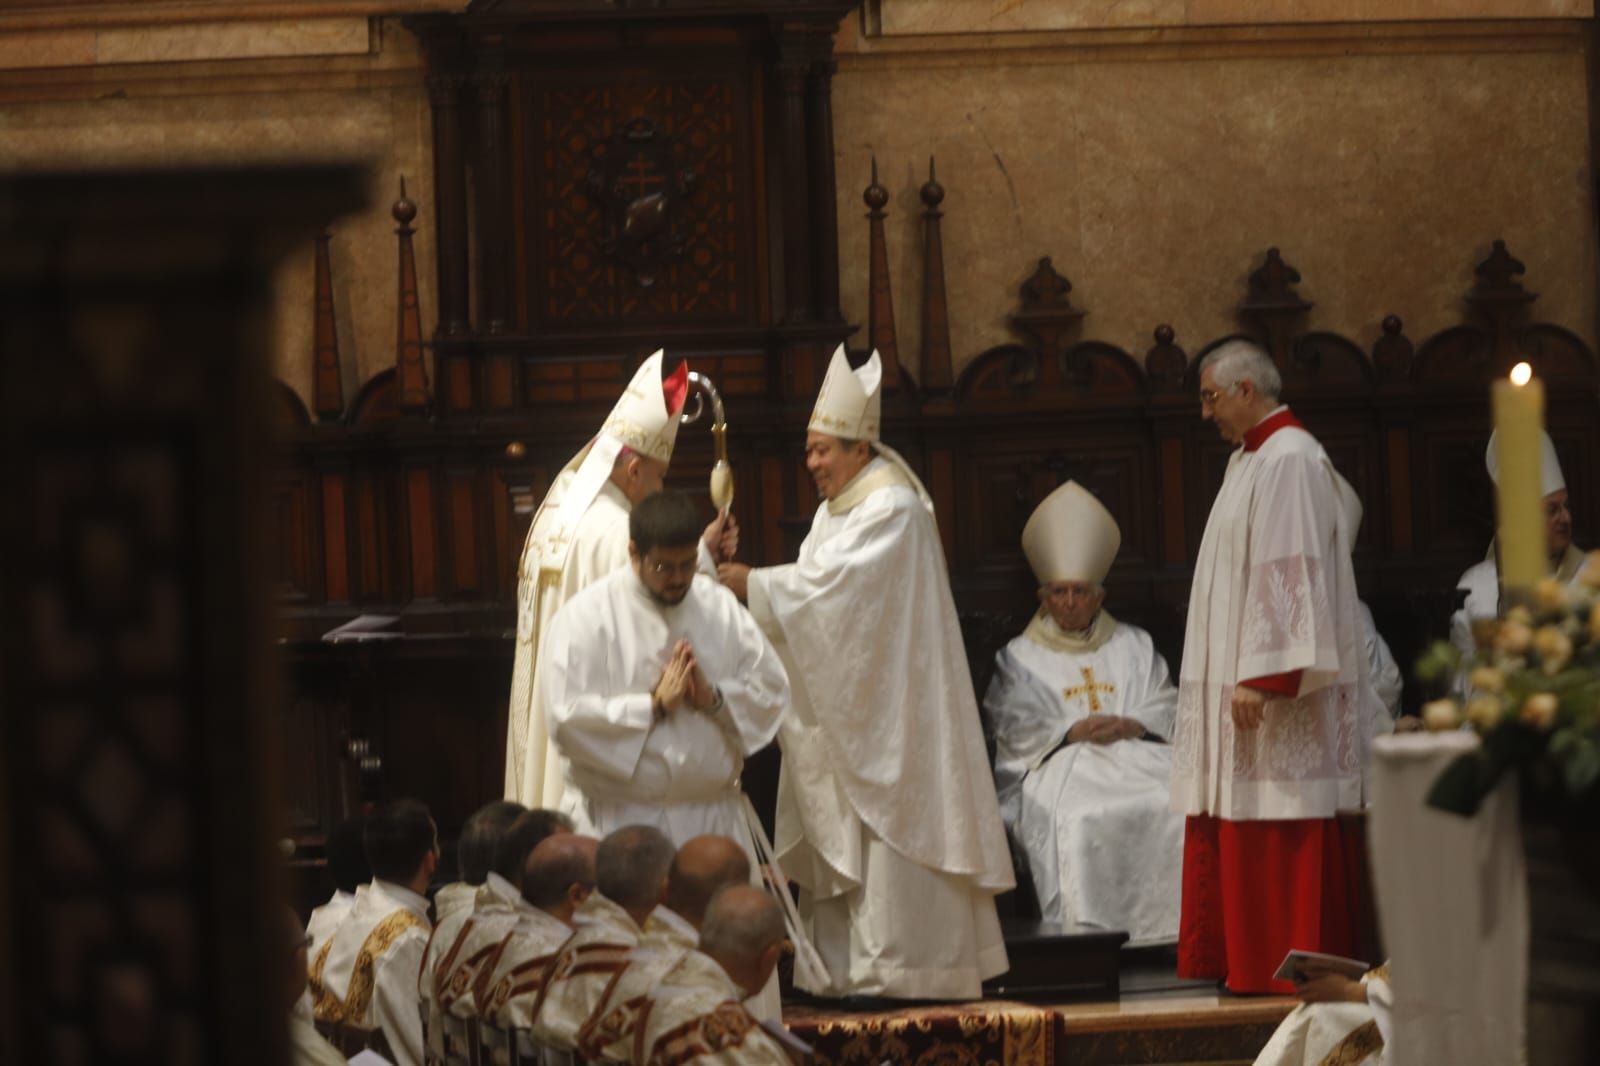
1521,374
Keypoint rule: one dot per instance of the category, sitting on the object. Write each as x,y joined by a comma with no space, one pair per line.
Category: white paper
364,627
1293,965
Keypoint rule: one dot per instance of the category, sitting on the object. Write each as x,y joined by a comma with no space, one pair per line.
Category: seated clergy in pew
558,876
474,855
631,866
470,938
1340,1020
695,1016
1081,707
346,852
307,1047
364,979
703,866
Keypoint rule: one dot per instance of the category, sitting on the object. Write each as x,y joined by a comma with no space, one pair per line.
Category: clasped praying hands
682,682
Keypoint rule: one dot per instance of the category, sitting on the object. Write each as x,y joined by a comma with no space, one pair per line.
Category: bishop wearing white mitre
887,817
579,535
1082,707
1481,582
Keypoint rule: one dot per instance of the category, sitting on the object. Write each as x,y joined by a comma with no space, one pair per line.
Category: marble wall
283,91
1156,171
1153,162
898,17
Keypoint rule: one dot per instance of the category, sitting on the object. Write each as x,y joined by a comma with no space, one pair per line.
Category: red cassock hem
1254,890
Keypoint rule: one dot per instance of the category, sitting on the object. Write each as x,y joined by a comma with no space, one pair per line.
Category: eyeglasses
683,569
1209,397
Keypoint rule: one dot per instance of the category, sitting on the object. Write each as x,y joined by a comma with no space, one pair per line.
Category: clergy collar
1564,571
1044,632
505,890
1280,418
877,474
402,895
672,920
598,910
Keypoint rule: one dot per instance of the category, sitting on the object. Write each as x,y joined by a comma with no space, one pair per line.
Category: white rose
1539,711
1441,715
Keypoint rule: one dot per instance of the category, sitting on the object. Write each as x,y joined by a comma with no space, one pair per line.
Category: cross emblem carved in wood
1091,689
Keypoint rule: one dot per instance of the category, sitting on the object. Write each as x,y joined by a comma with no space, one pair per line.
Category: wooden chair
351,1039
463,1045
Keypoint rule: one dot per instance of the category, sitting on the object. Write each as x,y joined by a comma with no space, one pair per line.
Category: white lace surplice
1274,592
1093,819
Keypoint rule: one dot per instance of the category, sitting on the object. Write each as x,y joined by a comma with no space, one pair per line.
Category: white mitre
646,417
1071,537
850,402
1550,466
645,420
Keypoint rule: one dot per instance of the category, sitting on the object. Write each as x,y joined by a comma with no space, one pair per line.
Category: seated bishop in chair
1082,707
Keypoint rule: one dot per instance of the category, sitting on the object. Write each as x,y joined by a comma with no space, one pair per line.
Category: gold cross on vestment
1090,689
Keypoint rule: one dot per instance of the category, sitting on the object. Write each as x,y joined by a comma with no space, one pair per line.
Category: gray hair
1240,360
631,865
741,922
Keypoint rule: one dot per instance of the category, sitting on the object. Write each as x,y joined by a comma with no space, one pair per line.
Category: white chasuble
694,1016
366,973
608,1035
599,546
1344,1034
511,982
886,803
624,767
1274,593
464,945
326,917
1481,583
576,980
1093,819
307,1047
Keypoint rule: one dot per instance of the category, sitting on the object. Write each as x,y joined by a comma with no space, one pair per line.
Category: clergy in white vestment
1382,670
694,1015
346,854
580,534
1082,706
1275,709
703,866
630,868
366,974
658,685
557,877
1481,581
464,943
1339,1022
887,818
306,1046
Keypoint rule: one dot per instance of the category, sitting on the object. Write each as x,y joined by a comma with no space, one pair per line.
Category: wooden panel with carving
640,209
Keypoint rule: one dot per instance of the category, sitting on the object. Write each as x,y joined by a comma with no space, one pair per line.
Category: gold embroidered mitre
850,401
646,417
1071,537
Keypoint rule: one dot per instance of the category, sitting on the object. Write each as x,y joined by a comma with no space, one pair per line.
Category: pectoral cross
1090,689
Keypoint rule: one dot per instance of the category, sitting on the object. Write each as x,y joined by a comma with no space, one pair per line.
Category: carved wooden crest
636,180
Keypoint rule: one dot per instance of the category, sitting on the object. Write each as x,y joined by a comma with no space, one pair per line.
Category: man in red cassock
1275,708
